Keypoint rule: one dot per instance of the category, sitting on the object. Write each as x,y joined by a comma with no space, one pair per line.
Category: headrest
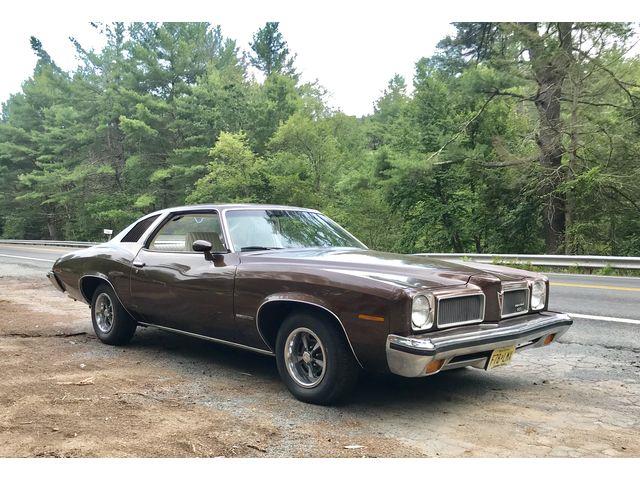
211,237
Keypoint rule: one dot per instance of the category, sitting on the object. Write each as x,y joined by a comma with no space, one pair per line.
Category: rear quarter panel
109,261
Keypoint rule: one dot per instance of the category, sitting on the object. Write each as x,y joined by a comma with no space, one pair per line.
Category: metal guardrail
587,261
50,243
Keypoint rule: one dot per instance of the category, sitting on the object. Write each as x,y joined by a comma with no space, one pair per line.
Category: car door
173,286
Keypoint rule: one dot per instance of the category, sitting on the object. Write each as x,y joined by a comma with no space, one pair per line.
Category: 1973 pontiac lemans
291,283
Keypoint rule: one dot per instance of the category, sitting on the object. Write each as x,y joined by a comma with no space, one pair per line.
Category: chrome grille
515,302
460,310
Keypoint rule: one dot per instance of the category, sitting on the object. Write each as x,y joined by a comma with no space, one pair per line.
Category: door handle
138,263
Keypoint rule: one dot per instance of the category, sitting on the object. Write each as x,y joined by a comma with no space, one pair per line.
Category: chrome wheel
104,313
305,357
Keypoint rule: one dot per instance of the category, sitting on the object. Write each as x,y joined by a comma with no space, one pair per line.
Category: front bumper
54,281
472,345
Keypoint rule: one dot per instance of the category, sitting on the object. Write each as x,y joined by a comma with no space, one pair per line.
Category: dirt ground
64,394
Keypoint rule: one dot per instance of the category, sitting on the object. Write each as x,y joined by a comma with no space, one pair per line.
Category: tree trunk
570,248
550,66
51,226
456,243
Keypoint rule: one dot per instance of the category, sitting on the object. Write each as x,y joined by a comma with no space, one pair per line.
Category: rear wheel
314,359
111,322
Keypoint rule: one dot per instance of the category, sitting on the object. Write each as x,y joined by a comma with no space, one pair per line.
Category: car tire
111,322
327,372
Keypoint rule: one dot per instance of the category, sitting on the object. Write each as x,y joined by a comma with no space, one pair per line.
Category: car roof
234,206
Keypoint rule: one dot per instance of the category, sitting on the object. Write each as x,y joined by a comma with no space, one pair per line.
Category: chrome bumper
54,281
472,345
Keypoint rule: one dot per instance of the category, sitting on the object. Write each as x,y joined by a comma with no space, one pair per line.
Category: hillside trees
270,53
509,138
553,66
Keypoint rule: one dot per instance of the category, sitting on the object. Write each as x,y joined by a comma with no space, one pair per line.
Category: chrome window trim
453,294
511,286
120,237
227,232
161,215
225,224
156,227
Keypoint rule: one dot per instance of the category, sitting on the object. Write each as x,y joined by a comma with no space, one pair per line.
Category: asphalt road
31,255
606,310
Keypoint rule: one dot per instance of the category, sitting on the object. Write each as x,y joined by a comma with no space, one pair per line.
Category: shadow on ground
194,356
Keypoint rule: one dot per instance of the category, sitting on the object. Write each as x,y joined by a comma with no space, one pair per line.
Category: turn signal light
549,338
433,366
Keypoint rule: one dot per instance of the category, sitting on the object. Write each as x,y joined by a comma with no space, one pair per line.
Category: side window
138,229
179,233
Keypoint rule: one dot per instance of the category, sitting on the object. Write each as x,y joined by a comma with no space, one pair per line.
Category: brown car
291,283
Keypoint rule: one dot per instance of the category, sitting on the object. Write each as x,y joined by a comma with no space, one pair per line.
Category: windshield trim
231,246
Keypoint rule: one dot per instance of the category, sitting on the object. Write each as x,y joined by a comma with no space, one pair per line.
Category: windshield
275,229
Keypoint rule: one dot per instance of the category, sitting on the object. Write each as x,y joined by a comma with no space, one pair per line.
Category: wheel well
272,314
88,286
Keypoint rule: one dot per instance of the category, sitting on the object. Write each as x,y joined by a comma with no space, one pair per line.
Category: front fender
365,334
303,299
298,297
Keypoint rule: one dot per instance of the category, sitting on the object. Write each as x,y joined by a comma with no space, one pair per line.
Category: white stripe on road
605,319
27,258
38,248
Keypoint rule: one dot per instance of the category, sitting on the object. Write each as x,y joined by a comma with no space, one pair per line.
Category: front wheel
111,322
314,359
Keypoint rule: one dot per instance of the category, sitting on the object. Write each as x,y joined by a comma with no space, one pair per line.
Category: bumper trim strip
433,350
55,281
409,356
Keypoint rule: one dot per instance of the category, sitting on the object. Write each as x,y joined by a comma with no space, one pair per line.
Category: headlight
421,313
538,295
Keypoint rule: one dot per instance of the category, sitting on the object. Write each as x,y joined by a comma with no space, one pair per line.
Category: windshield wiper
249,249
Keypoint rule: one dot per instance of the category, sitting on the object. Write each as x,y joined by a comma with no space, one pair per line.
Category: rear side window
138,229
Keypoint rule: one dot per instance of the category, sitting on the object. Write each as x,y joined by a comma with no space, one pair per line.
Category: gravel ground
64,394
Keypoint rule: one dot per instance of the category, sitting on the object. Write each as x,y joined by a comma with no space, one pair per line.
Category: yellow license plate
501,356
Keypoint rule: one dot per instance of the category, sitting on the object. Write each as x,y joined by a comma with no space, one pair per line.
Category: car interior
179,233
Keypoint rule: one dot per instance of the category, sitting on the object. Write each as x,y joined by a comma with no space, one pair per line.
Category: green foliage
269,51
607,270
170,113
235,174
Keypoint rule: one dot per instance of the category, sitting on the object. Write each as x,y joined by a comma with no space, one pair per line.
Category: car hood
411,271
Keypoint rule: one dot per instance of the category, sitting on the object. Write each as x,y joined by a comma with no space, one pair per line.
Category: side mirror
202,246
